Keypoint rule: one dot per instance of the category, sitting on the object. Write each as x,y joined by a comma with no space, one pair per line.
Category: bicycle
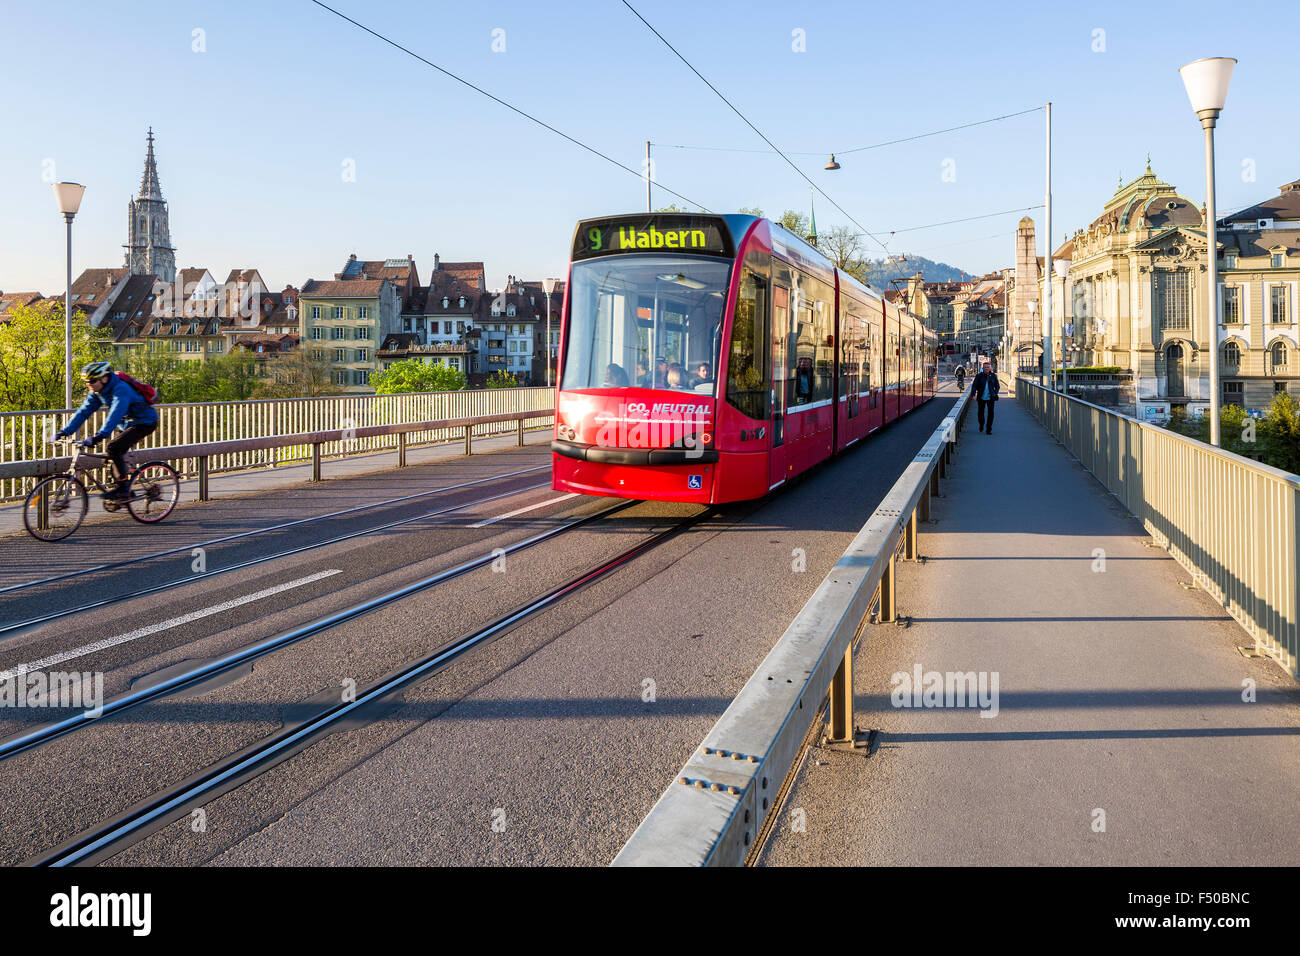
57,505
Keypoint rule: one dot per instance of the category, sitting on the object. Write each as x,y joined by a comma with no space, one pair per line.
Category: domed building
1131,289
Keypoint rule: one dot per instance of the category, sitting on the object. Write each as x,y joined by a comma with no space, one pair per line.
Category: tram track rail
113,565
108,838
19,743
207,575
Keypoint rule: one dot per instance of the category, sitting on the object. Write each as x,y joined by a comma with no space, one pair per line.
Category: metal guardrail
1231,522
713,811
250,432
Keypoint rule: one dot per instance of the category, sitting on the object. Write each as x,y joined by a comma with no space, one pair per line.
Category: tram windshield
645,321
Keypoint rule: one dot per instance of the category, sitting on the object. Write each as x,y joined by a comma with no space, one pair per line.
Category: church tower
149,249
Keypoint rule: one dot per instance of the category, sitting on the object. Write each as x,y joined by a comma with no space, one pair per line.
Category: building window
446,328
359,333
1277,295
315,331
454,363
340,377
1277,260
340,355
315,311
461,302
363,312
460,326
338,332
1232,305
1234,394
340,312
1279,387
406,325
360,377
1231,354
1279,354
363,355
1172,300
510,310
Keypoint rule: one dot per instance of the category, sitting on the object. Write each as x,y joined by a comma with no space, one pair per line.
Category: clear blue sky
252,134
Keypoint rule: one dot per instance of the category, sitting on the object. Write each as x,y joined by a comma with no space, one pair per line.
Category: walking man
985,390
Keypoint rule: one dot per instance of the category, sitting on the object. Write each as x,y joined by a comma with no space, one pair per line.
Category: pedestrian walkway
1123,726
285,476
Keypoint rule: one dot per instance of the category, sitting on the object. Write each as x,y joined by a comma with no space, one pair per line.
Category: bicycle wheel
55,508
154,490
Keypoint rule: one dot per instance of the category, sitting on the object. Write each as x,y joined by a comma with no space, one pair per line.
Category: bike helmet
96,370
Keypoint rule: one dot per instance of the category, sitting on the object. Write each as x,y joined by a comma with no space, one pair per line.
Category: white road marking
165,625
519,511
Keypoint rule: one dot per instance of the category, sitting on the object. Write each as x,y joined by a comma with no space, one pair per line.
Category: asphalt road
548,745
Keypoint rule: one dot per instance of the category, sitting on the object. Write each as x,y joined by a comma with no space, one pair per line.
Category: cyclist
126,409
961,376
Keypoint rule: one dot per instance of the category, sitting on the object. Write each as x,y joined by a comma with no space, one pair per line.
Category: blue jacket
124,404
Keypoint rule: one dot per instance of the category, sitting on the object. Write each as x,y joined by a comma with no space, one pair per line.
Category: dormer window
510,310
1278,259
461,302
176,327
1229,260
446,302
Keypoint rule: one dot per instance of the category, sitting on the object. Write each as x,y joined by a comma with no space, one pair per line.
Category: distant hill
878,272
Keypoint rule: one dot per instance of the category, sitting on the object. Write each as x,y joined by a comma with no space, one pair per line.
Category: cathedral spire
149,187
149,249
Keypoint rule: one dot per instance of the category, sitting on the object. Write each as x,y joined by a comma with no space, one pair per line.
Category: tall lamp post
1062,269
1033,311
1207,89
548,286
68,197
1015,345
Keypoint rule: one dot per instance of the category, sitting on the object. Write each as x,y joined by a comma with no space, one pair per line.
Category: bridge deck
1118,691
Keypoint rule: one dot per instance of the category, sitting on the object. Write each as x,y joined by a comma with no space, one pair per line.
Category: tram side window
749,383
810,344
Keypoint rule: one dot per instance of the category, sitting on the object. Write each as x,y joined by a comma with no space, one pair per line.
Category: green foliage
31,356
672,207
501,379
795,221
750,211
221,378
413,375
1092,369
1273,439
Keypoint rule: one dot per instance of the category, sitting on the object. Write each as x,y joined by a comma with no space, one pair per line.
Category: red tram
711,358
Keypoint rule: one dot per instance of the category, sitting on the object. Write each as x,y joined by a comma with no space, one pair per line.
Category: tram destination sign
702,235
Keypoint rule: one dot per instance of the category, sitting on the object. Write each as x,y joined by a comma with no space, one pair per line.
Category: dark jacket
124,404
977,386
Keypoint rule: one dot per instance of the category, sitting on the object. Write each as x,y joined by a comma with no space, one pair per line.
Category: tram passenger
615,377
661,373
642,374
674,377
703,374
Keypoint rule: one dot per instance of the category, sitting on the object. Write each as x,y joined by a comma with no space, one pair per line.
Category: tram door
778,467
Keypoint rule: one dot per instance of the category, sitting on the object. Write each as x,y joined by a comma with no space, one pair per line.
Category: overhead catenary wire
949,222
509,106
859,149
864,230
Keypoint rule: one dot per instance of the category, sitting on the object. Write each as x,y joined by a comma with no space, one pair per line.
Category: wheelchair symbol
694,481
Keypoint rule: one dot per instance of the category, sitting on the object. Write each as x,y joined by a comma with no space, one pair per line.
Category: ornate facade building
1132,288
149,249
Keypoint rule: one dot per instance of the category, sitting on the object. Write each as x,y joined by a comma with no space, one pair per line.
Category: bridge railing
1231,522
726,797
242,429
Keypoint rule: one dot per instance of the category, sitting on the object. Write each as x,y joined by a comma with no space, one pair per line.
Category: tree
842,246
750,211
500,379
796,222
413,375
31,356
221,378
302,373
672,207
1281,433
